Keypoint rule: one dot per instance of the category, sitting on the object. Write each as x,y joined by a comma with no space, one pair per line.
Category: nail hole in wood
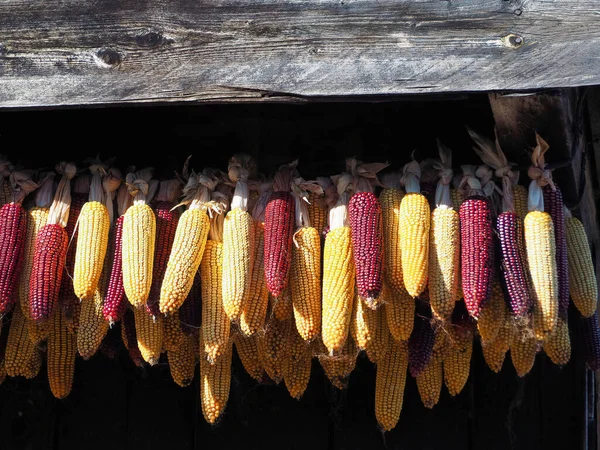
107,57
513,40
518,11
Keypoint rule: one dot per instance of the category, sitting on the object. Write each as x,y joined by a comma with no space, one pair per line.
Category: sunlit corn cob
591,335
297,363
149,334
21,357
399,312
541,257
457,365
389,385
190,313
182,361
429,382
92,325
339,367
493,314
62,349
369,330
252,318
129,338
338,288
115,301
305,282
36,219
247,350
184,260
420,345
477,252
238,257
444,261
495,352
215,380
272,349
520,200
414,241
553,205
13,231
173,335
515,272
364,212
317,213
582,276
523,349
215,323
279,229
390,200
558,345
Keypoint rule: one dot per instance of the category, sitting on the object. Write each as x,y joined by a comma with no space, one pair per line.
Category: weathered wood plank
70,52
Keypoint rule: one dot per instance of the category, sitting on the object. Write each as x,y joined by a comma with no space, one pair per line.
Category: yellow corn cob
61,352
215,380
184,260
36,219
139,237
297,363
22,357
558,345
215,323
247,350
182,361
495,352
238,258
520,195
541,257
390,200
38,331
149,333
399,312
272,349
92,326
92,243
523,349
338,288
369,329
316,214
339,367
72,319
389,385
173,336
444,258
429,382
281,307
582,278
305,282
493,314
414,242
254,310
457,365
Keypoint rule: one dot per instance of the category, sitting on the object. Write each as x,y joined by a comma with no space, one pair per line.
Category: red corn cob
190,313
279,230
553,205
591,334
513,262
128,324
13,227
364,212
420,345
477,252
47,271
166,226
115,301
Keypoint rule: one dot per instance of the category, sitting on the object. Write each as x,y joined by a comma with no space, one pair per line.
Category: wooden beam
70,52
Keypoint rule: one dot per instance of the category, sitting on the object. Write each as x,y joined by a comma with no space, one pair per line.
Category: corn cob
38,331
369,330
247,350
190,313
272,349
420,345
457,364
582,276
149,334
50,251
115,302
282,307
558,345
495,352
457,198
493,314
62,349
173,335
188,244
390,199
461,330
523,348
520,201
129,338
414,232
2,372
182,361
337,368
399,312
215,380
317,211
297,363
238,240
21,357
389,385
92,325
71,319
429,382
305,276
591,335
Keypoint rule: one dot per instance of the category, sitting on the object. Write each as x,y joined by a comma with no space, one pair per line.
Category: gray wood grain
66,52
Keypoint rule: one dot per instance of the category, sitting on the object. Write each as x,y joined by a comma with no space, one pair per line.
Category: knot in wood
149,39
107,57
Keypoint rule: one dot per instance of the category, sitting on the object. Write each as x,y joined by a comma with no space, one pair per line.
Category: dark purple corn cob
553,205
515,273
13,228
591,334
115,301
477,252
130,338
190,313
420,345
279,231
364,212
